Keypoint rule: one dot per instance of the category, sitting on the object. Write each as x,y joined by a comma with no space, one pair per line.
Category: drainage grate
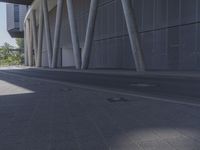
117,99
143,85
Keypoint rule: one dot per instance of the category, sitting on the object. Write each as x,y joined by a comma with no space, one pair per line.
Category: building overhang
15,33
22,2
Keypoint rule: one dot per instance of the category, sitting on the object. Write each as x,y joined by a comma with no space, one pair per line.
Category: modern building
15,19
113,34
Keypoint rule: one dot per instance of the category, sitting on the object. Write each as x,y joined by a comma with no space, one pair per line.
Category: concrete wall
169,33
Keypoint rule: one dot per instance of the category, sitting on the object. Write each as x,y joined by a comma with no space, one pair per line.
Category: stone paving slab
40,115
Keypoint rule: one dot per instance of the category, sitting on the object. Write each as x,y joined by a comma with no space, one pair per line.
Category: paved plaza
44,115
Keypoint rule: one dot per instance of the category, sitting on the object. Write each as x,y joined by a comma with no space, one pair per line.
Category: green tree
20,43
5,50
8,56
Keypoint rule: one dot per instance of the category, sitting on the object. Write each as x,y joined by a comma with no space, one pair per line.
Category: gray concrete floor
44,115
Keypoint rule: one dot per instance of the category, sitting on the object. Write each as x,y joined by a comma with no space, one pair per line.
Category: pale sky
4,36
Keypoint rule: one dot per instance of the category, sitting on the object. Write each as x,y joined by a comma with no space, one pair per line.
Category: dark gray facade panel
147,46
173,10
148,15
65,30
188,55
112,53
173,52
81,25
189,11
159,60
156,14
161,14
198,46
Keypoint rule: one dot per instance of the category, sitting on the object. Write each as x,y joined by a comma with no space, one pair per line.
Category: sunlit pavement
12,67
44,115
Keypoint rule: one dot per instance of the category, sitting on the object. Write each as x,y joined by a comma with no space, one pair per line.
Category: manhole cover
117,99
142,85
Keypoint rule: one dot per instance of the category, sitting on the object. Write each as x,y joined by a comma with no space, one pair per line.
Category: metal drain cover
142,85
117,99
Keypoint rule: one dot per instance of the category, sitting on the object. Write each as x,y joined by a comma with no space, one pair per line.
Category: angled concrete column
25,47
40,37
30,43
89,33
74,34
133,35
27,41
47,31
56,45
35,37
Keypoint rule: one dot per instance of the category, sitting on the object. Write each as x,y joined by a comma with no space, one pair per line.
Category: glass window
16,13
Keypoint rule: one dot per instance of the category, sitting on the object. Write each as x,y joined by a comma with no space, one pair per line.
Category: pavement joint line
98,89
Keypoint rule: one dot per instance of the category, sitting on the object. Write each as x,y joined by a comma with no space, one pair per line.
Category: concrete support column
74,34
25,47
133,35
56,45
89,34
30,43
40,37
47,31
35,37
